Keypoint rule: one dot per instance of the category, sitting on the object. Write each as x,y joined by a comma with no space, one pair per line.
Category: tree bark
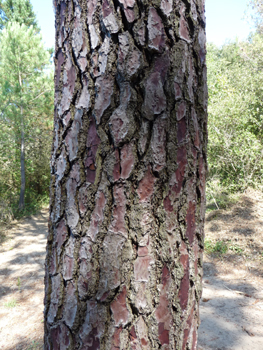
124,252
21,204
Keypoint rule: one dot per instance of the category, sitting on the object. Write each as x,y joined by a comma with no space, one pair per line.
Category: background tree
235,148
19,11
124,253
27,95
257,14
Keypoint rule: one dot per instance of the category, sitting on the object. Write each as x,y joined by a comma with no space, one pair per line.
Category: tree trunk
124,252
21,204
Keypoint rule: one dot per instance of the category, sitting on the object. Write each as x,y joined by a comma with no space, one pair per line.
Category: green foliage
18,283
26,97
218,197
34,202
236,249
11,303
217,248
19,11
235,83
35,346
221,247
257,14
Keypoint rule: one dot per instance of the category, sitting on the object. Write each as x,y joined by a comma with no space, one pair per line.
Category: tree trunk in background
124,253
21,204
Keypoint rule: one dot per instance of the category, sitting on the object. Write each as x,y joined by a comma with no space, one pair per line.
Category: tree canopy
19,11
235,82
257,16
26,99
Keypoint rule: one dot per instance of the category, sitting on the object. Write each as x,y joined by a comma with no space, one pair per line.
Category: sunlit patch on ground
22,258
232,303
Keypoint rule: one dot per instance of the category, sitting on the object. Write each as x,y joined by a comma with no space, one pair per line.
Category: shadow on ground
231,313
22,257
24,343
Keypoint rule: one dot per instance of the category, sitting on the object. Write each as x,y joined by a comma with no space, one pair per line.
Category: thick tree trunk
124,253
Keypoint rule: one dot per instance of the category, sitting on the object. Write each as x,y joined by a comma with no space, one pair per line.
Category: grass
221,247
236,249
218,248
32,207
34,346
11,304
18,283
219,197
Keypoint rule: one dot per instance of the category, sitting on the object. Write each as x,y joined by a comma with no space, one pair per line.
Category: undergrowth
221,247
219,197
10,304
32,207
35,346
9,208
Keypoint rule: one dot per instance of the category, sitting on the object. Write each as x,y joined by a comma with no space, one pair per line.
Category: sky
46,18
224,20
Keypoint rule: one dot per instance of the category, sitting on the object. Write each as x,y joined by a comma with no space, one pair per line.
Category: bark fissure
124,253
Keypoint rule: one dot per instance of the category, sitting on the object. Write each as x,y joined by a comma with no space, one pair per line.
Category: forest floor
22,258
232,302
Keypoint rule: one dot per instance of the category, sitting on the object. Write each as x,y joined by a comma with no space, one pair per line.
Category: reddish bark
119,308
128,175
163,315
146,187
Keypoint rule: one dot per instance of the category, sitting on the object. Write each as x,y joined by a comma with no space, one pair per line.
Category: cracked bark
124,251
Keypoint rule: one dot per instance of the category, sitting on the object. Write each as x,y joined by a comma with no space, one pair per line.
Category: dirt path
232,303
22,258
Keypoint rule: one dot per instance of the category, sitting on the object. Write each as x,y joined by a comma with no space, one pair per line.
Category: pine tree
20,11
124,253
24,87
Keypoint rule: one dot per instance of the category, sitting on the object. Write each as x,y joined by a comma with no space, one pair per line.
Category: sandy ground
22,257
232,304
